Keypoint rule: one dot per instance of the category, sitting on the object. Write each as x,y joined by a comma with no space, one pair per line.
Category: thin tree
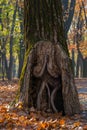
21,46
68,13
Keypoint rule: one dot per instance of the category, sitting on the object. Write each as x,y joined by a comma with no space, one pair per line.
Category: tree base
48,82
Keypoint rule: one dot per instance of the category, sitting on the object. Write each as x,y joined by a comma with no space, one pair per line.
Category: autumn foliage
18,118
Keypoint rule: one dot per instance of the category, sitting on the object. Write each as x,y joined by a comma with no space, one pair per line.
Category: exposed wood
36,88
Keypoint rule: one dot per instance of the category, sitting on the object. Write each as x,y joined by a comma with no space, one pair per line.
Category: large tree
47,81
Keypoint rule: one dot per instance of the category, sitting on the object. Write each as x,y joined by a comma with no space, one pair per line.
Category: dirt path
82,90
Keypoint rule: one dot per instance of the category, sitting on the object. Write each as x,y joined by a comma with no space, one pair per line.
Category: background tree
77,37
22,49
68,8
43,22
11,38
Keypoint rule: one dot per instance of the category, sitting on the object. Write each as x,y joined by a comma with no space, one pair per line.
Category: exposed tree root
52,99
51,96
40,95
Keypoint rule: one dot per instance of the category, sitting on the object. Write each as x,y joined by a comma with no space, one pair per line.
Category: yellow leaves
51,124
3,109
14,116
42,125
7,116
19,105
9,125
21,4
2,119
62,122
85,127
22,119
34,120
76,124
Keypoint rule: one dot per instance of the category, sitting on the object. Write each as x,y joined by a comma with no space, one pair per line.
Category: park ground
18,119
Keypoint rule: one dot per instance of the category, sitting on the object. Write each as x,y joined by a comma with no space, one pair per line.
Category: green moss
12,104
22,76
25,64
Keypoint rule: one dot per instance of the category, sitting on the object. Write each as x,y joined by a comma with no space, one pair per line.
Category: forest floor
17,119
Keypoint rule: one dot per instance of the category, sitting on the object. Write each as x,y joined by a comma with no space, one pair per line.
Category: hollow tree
47,81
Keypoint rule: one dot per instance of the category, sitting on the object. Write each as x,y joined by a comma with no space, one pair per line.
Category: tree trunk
21,46
47,81
79,66
11,43
85,67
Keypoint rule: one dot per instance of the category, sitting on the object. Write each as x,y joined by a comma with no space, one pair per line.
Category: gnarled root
52,99
44,84
40,94
49,96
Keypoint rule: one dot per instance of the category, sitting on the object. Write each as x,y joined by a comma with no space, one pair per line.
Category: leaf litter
18,119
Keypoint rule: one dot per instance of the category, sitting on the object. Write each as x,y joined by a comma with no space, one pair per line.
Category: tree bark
79,67
11,43
47,81
85,67
44,21
21,46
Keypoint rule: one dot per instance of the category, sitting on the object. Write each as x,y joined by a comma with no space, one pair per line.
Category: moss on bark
25,64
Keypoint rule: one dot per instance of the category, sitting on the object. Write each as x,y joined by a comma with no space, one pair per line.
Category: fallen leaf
2,118
85,127
76,124
62,122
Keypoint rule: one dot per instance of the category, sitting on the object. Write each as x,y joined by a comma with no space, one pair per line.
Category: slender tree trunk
11,43
47,81
73,61
3,49
83,6
79,68
21,46
68,11
85,67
